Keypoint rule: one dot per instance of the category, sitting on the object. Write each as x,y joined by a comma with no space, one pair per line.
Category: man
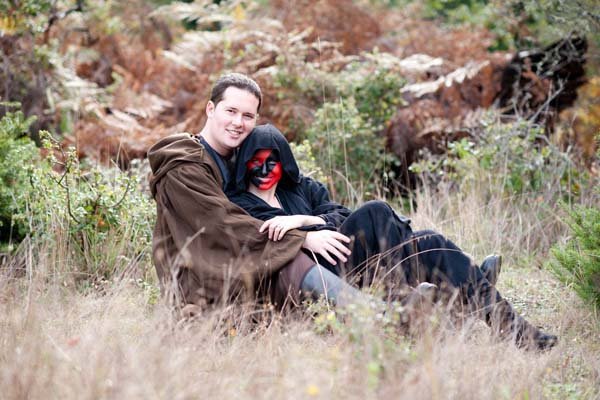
206,249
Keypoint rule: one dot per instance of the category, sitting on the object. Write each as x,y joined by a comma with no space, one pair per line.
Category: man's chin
234,143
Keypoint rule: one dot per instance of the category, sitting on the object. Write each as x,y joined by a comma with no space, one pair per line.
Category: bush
24,15
344,135
90,223
519,23
510,159
306,160
349,150
99,215
578,262
375,89
18,155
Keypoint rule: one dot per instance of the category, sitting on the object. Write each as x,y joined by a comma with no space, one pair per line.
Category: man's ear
210,108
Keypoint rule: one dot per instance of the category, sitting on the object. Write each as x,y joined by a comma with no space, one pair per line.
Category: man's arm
214,237
193,191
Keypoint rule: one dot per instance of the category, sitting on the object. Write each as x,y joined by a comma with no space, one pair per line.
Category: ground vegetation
87,86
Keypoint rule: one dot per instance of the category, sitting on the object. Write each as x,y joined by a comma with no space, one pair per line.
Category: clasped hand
327,243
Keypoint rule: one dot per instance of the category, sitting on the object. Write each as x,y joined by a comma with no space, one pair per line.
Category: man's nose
264,169
237,119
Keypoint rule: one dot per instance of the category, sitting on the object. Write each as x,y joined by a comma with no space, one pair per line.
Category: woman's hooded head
265,137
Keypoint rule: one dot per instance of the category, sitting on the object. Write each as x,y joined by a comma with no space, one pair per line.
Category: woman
269,186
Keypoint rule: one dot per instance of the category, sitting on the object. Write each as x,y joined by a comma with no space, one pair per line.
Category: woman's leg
302,279
436,259
404,257
375,229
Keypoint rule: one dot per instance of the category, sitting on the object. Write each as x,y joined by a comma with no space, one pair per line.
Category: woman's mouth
265,179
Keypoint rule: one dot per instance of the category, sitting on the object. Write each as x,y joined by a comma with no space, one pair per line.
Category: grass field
120,342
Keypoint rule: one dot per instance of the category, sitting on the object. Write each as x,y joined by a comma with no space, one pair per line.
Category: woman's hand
327,244
278,226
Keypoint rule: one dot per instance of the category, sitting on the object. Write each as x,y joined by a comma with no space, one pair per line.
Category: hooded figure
385,250
297,194
375,228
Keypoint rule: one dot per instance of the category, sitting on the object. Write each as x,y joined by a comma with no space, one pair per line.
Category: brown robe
206,249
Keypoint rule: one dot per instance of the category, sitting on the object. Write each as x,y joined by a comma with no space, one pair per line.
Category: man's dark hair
239,81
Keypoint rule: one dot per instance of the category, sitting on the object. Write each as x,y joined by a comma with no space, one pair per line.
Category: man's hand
328,243
278,226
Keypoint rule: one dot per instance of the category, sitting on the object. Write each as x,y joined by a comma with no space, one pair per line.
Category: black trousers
386,253
381,236
385,250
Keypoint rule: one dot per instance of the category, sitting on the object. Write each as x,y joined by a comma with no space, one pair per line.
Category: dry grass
66,345
57,342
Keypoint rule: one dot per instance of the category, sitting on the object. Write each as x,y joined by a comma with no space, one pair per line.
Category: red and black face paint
264,169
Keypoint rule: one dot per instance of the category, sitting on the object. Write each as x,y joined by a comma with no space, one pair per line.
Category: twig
118,203
546,104
60,15
60,183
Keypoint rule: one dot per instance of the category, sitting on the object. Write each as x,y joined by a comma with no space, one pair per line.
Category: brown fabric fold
207,250
286,292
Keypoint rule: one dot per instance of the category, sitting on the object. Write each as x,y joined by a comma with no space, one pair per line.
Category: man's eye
248,117
230,111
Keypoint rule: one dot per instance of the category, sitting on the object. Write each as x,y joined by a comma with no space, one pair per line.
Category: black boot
491,267
529,337
508,325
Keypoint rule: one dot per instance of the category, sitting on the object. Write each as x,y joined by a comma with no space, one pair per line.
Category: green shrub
18,155
306,160
518,23
345,134
349,150
100,214
94,222
578,262
24,15
375,89
511,159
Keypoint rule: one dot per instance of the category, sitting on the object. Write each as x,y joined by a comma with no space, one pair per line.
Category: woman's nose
264,169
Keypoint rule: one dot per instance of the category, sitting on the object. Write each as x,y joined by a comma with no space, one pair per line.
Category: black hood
266,137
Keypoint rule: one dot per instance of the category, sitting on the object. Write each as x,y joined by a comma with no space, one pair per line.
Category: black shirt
226,164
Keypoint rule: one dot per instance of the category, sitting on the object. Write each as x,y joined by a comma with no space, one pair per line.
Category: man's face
231,120
264,169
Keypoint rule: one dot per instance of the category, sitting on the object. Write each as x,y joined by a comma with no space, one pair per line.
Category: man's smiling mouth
234,133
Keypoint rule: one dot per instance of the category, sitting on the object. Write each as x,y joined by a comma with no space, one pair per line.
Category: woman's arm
324,213
278,226
278,221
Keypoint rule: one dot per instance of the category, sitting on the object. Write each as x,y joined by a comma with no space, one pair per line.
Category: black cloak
296,193
375,226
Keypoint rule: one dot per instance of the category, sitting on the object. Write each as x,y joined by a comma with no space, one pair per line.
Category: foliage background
86,86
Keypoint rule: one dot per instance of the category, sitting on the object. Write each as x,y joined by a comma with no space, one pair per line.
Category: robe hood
266,137
170,152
